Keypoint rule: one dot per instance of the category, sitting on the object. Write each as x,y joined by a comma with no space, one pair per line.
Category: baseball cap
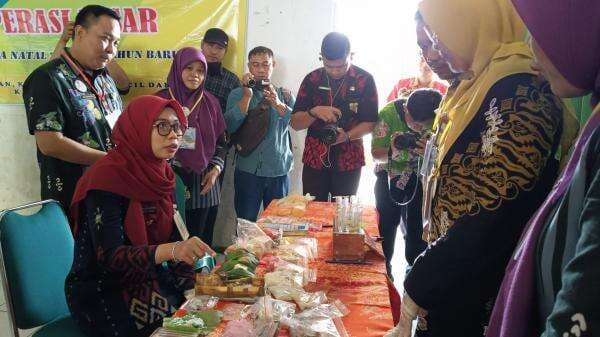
335,46
216,35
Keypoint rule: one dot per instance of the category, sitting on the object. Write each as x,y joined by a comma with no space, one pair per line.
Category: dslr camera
258,84
406,141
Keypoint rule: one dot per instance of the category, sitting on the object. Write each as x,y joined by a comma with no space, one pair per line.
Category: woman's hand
209,179
190,250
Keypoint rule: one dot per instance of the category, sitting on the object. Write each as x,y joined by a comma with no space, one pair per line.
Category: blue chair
36,254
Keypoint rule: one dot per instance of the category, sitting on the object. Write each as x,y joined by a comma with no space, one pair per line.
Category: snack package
192,322
239,328
310,243
200,303
288,278
307,300
308,275
323,320
252,238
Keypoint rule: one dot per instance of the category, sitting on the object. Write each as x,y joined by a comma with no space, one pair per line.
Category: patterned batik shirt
57,98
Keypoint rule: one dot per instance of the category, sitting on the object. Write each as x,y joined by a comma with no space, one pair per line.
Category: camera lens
251,82
329,134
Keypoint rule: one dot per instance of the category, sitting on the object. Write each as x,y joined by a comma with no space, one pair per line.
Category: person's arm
55,144
215,166
62,42
380,144
119,76
45,115
305,112
576,305
106,211
234,116
485,233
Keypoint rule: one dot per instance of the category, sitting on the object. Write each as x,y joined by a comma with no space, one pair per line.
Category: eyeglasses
164,128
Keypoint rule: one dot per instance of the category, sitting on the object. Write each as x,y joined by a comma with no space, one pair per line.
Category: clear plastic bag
309,242
323,320
308,275
307,300
251,237
200,303
287,278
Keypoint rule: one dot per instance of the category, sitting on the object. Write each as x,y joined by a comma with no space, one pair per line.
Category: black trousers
319,183
391,213
200,222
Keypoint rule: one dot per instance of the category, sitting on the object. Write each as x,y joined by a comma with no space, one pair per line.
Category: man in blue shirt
263,163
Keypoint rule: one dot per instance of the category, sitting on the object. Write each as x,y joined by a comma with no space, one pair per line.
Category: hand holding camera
327,114
246,88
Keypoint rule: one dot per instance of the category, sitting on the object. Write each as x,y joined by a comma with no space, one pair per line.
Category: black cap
335,46
216,35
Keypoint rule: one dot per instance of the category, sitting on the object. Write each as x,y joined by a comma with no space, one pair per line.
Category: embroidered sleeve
493,179
575,312
44,110
106,213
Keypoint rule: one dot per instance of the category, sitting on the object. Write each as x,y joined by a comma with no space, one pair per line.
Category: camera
329,133
258,84
406,141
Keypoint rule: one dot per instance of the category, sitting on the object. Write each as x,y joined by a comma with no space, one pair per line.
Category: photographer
338,105
398,141
257,117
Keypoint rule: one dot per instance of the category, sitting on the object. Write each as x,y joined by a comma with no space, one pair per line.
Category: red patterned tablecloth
362,288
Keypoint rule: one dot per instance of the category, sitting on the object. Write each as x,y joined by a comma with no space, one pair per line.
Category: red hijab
132,171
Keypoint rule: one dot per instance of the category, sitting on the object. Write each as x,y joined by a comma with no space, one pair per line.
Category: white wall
19,173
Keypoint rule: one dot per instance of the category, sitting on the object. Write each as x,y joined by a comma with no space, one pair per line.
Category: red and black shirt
356,96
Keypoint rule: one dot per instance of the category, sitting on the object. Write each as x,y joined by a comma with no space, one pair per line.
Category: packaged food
192,322
200,303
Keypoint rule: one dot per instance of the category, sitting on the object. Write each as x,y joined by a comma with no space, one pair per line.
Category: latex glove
408,313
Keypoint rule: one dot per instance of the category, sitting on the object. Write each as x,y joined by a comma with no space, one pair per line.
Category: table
362,288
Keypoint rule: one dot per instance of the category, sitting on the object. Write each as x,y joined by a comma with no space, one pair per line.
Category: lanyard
195,104
83,76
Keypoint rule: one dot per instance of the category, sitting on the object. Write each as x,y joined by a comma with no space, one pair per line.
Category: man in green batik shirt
72,103
398,139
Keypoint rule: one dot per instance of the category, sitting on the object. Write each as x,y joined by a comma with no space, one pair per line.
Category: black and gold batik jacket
491,181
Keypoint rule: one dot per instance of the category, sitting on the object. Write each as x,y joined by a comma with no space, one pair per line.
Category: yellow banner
151,32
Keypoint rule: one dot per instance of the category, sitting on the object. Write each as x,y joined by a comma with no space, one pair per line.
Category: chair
36,254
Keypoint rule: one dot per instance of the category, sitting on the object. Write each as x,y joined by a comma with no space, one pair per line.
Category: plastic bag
323,320
287,278
307,300
309,242
308,275
252,238
200,303
239,328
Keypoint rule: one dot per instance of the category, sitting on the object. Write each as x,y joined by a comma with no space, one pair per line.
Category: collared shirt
220,85
406,86
403,162
273,156
356,96
57,98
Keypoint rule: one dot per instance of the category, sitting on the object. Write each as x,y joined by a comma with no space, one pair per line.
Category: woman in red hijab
130,267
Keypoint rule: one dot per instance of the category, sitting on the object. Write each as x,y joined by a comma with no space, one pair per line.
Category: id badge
183,232
188,141
111,118
429,157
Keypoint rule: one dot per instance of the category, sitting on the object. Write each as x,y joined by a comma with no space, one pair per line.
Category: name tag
183,232
188,141
112,119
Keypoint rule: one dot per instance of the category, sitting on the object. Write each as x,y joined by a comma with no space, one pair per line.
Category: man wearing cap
338,105
72,103
219,80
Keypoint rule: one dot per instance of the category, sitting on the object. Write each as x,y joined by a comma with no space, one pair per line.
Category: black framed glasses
164,128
